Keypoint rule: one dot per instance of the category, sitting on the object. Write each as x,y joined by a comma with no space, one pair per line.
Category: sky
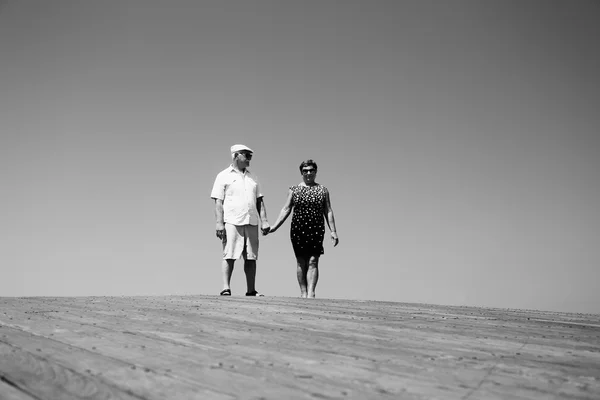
459,140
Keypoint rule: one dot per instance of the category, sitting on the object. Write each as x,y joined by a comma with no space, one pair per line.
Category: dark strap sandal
255,293
225,292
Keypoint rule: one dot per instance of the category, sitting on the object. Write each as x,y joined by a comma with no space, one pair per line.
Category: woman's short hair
308,163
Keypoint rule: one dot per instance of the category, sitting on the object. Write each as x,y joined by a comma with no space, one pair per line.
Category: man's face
244,158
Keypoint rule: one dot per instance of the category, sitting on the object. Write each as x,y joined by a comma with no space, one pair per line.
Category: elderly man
238,207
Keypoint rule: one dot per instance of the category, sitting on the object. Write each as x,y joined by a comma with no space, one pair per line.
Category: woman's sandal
226,292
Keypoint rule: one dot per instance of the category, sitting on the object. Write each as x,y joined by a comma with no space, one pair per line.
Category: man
238,207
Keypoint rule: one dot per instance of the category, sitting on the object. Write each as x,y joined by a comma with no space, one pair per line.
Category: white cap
240,147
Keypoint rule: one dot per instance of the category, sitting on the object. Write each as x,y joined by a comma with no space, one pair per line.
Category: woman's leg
313,275
301,270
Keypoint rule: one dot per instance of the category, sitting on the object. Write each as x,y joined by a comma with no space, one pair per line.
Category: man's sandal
255,293
225,292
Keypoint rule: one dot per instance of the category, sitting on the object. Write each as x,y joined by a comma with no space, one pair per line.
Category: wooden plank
130,378
411,329
226,371
337,348
243,347
229,359
43,379
153,362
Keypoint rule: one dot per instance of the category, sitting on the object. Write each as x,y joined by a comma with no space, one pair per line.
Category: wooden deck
211,347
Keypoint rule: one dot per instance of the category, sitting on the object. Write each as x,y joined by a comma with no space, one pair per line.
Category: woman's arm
330,219
285,212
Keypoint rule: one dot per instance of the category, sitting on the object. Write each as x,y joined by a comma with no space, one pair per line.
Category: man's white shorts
241,239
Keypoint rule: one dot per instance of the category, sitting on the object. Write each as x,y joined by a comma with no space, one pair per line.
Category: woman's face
309,173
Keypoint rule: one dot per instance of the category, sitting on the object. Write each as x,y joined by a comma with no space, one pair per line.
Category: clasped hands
265,228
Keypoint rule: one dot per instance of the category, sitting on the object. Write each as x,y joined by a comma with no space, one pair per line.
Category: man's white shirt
239,192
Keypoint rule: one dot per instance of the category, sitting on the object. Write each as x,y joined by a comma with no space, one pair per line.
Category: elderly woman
312,206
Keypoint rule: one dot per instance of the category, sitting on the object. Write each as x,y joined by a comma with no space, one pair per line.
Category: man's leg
313,275
232,248
250,255
227,270
250,270
301,270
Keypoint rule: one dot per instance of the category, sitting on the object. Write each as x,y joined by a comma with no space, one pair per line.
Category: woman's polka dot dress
308,221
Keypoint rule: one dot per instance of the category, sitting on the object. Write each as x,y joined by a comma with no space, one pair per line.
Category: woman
312,206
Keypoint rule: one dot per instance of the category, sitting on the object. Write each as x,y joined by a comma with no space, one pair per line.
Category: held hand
271,230
265,228
334,239
221,232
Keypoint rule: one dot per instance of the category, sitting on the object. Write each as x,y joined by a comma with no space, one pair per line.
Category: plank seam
9,382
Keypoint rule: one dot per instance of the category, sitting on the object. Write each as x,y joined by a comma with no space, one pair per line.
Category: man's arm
262,211
218,194
220,220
